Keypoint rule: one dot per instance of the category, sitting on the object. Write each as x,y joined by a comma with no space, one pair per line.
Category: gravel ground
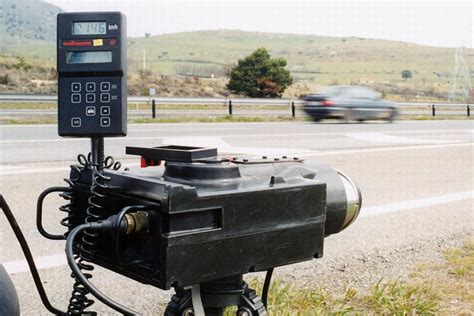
384,247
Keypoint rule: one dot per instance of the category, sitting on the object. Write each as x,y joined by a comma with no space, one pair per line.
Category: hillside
205,52
27,29
26,20
313,59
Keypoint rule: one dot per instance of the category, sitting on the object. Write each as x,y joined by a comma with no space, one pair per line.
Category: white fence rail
230,104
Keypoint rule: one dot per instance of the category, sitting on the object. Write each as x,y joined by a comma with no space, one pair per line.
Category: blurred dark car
349,103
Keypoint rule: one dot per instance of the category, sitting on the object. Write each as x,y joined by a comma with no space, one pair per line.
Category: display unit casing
92,76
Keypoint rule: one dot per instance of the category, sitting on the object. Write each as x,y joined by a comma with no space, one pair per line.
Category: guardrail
230,104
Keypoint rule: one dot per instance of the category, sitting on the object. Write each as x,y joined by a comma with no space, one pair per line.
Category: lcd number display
91,57
88,28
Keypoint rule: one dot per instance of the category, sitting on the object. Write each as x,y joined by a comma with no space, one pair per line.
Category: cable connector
126,224
104,225
136,222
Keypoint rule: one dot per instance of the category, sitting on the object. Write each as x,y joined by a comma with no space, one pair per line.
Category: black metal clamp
39,212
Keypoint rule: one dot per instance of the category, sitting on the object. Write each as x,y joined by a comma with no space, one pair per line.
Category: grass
444,288
435,118
218,119
461,260
397,298
136,106
384,298
131,106
28,106
28,121
286,299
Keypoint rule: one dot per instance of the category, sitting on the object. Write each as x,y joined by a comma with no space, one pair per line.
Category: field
314,62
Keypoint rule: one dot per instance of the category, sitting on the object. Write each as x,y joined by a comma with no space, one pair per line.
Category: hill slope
30,20
311,59
202,53
307,55
28,28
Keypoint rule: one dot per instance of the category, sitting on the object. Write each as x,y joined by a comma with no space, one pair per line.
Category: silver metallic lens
354,199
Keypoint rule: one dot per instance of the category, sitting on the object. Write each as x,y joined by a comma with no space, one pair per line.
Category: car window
360,93
333,91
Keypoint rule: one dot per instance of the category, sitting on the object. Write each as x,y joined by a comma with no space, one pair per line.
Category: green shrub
259,75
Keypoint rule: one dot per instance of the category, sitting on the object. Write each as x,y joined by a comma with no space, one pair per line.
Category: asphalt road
417,180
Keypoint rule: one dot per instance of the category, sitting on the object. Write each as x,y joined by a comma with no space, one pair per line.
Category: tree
406,74
259,75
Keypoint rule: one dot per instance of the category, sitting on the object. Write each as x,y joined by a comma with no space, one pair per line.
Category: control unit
92,74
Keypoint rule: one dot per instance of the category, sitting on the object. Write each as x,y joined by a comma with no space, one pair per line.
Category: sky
435,23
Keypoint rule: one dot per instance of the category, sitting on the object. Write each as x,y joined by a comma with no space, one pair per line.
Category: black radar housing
212,217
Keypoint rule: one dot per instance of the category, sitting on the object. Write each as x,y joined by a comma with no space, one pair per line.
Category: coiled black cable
79,300
76,171
108,224
68,195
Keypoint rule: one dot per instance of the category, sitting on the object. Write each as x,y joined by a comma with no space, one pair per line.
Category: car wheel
348,116
392,116
316,119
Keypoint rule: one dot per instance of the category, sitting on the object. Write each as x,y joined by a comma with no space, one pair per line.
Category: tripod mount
216,296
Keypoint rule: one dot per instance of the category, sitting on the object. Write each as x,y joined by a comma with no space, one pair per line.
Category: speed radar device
183,217
92,73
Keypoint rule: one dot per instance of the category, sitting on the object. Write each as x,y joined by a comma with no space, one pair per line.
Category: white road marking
58,260
165,129
17,170
25,141
45,262
9,168
141,126
430,131
383,149
418,203
26,170
384,138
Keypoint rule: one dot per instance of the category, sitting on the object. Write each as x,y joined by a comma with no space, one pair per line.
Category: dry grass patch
218,119
461,260
440,288
28,106
383,298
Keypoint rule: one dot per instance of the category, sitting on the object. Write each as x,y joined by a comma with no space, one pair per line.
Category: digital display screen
91,57
89,28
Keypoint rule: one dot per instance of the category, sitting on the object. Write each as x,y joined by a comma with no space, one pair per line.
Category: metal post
433,110
230,107
468,110
293,108
153,108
